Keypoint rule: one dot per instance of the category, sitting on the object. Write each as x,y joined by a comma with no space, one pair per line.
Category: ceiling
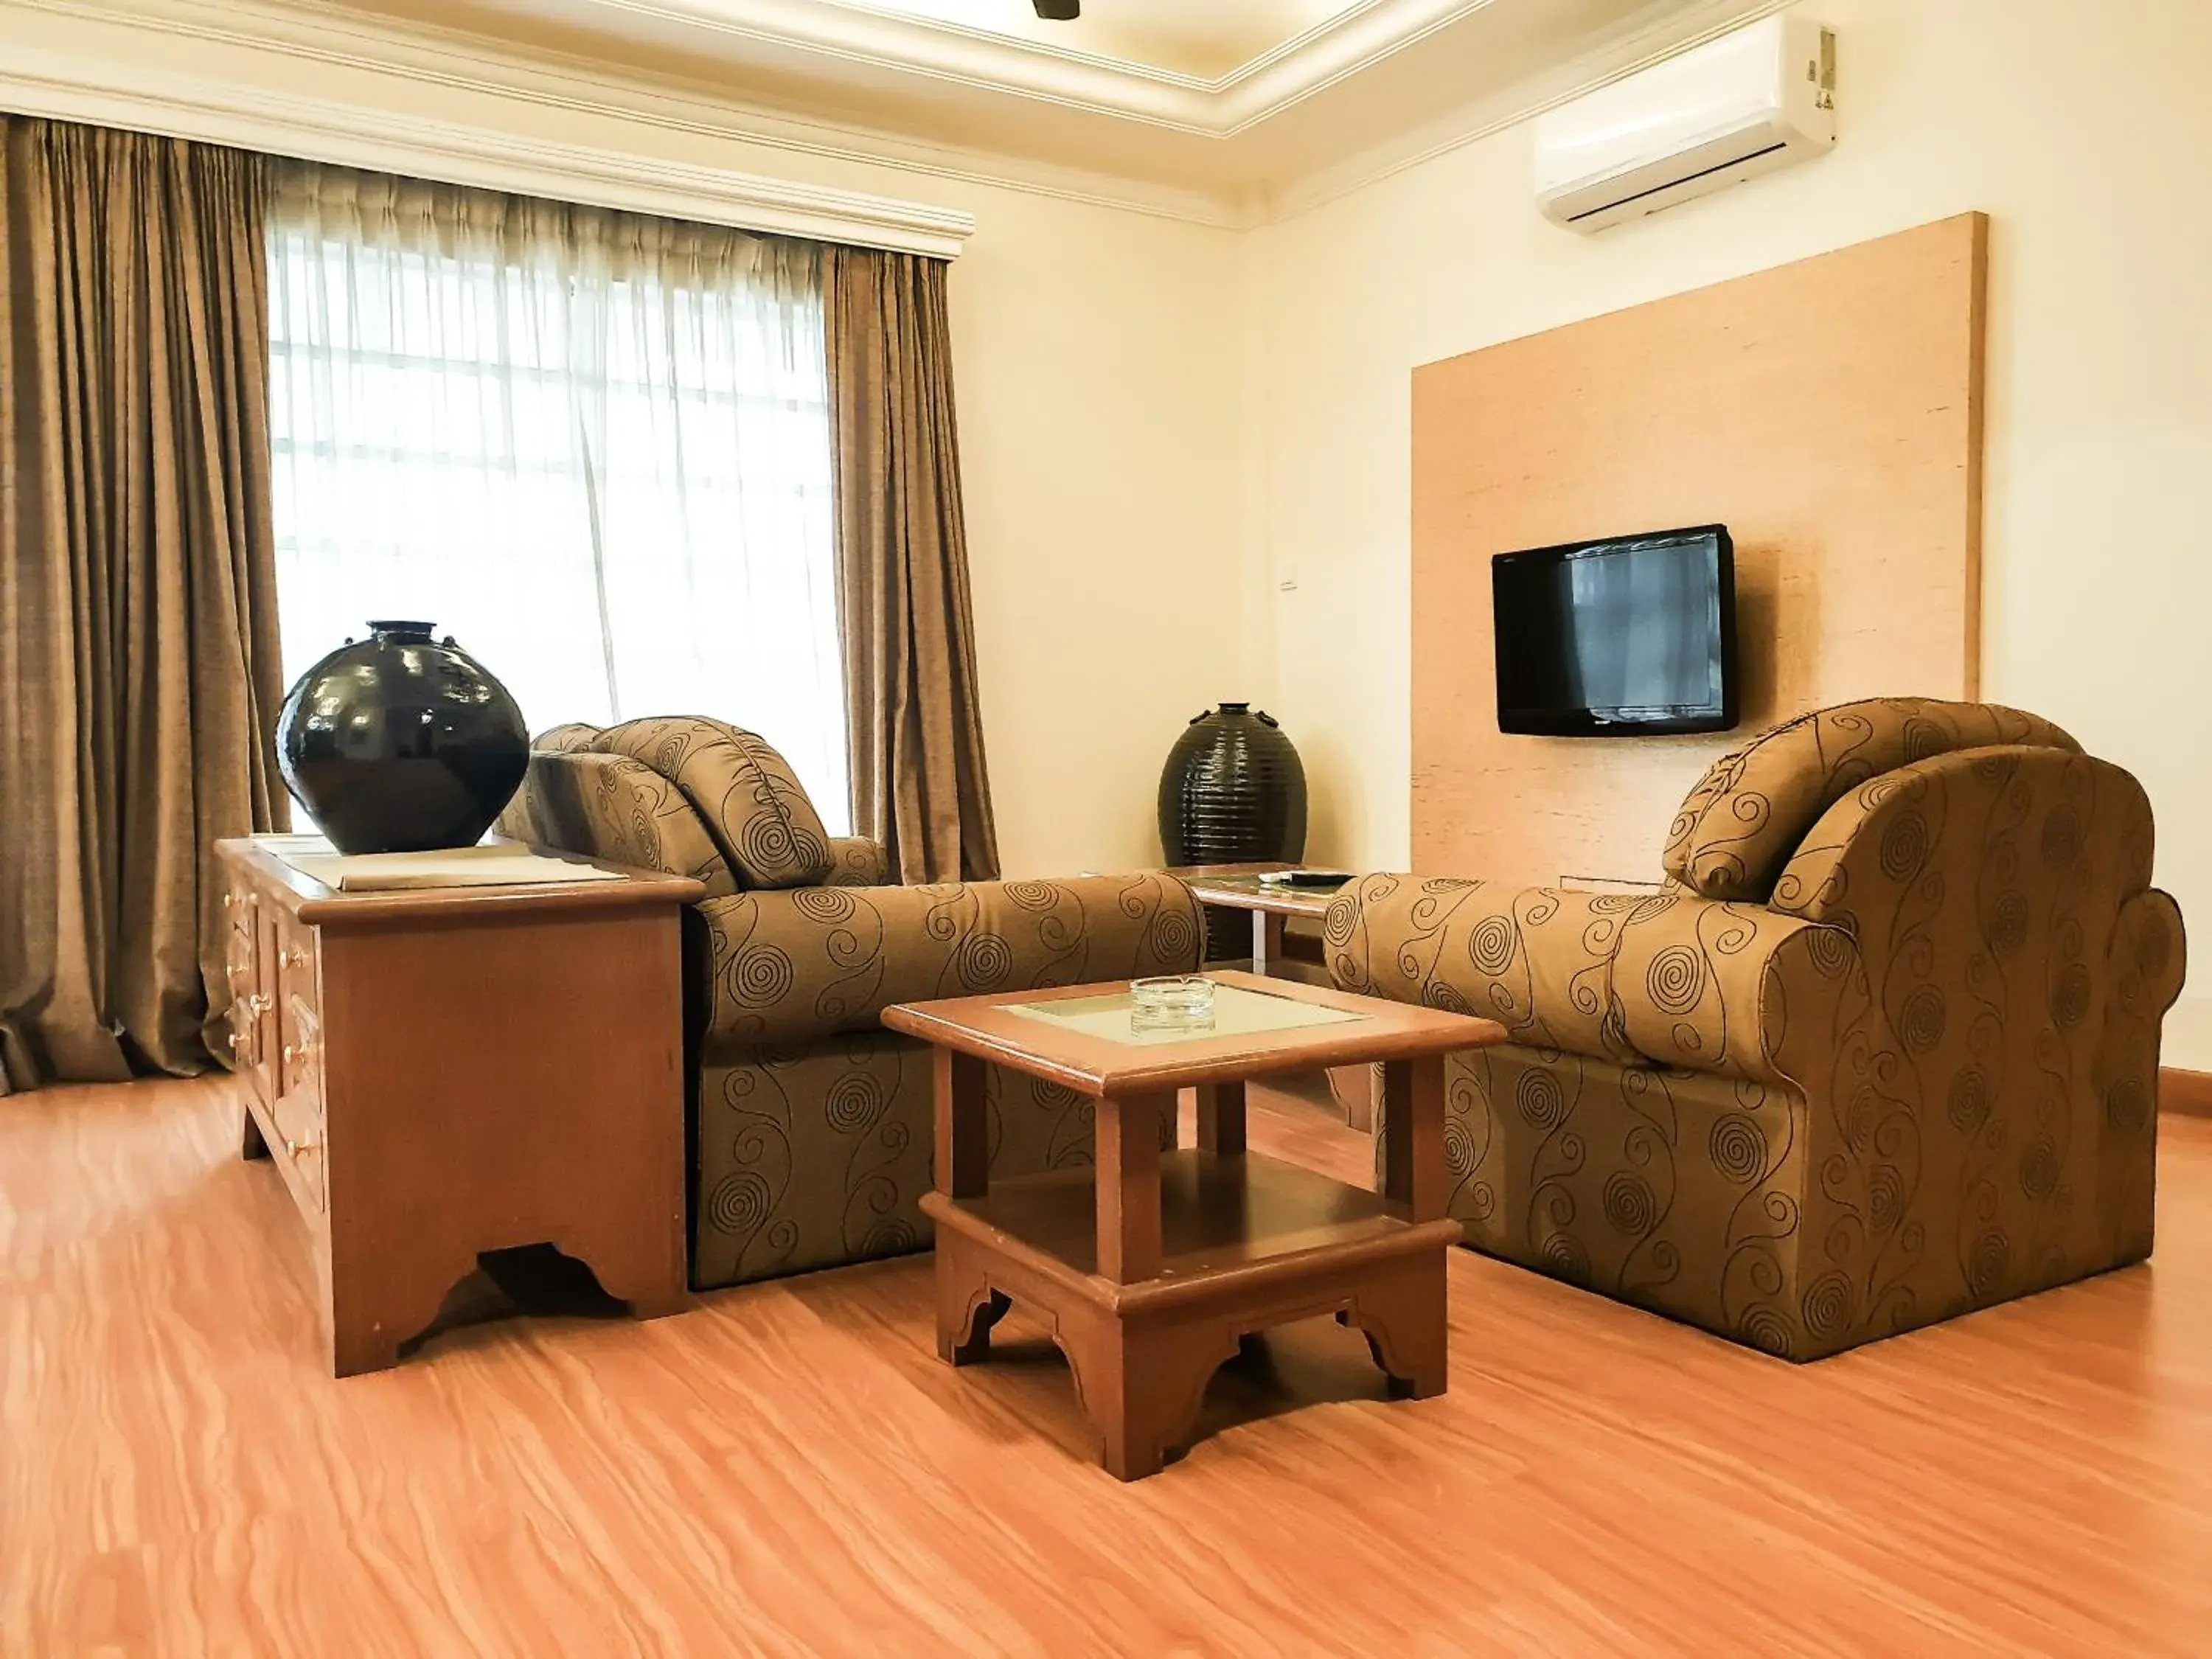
1205,39
1219,108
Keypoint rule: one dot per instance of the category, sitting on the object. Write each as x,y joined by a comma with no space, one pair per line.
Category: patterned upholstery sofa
1883,1050
811,1125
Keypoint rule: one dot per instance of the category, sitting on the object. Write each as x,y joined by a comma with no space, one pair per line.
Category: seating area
1003,827
811,1124
1885,1052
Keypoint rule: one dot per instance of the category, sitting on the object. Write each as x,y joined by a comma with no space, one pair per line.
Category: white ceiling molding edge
444,59
315,130
949,51
449,58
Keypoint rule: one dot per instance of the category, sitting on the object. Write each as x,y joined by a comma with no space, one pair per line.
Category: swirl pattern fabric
814,962
1662,979
566,740
751,800
1924,1080
605,806
1739,824
816,1154
858,861
1674,1191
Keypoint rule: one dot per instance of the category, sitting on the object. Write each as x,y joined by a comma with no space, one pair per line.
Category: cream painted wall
1165,424
2080,130
1096,369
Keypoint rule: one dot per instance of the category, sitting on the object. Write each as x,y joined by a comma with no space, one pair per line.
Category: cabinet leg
639,1265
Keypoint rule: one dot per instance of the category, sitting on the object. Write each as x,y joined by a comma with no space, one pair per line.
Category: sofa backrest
1748,816
689,795
751,801
611,807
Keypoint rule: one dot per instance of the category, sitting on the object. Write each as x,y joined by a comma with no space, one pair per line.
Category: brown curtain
138,655
919,782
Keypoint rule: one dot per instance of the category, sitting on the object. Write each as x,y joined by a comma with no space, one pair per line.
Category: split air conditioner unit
1753,100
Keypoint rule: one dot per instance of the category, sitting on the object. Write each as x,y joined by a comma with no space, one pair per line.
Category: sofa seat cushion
1739,826
752,802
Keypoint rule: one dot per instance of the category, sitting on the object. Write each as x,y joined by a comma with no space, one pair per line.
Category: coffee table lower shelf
1247,1242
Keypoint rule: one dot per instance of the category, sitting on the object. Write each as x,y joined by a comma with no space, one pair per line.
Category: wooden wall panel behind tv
1828,412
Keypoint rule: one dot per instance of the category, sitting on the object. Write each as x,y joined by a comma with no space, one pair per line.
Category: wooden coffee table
1150,1268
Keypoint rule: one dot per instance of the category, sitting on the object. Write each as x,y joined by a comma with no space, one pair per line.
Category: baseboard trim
2187,1094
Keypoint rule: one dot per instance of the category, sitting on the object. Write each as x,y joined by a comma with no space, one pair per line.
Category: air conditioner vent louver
1753,100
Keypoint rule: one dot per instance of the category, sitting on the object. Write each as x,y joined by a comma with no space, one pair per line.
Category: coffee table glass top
1237,1012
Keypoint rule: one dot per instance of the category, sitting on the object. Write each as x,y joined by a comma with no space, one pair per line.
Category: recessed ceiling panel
1204,38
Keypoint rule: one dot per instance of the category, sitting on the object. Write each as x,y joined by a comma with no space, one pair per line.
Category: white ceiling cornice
523,114
1221,107
314,129
108,92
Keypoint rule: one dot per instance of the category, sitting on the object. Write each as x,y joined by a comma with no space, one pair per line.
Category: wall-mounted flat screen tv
1618,638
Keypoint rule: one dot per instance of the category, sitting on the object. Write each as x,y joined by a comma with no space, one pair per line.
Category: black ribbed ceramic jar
1233,792
398,743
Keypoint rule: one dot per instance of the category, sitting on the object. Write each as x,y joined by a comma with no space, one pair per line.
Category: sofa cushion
565,739
791,967
752,803
1739,825
611,807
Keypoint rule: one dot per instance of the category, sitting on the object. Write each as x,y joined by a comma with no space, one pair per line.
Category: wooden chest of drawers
436,1074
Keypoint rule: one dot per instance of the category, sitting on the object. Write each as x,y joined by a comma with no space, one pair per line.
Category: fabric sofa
1883,1050
811,1125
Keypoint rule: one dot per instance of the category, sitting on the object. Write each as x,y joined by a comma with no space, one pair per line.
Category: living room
1262,346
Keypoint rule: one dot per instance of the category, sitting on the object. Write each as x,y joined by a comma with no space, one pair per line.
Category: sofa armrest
1666,980
1709,986
858,861
793,963
1536,960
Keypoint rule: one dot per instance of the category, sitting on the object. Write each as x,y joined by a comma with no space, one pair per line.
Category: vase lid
386,629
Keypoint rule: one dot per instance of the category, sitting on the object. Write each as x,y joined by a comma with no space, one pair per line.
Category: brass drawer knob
297,957
298,1052
259,1004
229,899
294,1148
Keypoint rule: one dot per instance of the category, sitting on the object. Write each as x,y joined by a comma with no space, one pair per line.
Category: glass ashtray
1172,1002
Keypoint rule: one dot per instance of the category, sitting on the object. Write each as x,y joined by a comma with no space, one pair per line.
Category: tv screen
1618,638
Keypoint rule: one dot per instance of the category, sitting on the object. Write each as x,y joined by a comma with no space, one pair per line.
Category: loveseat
811,1125
1883,1049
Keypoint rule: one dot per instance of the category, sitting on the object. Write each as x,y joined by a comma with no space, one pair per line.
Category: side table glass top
1237,1012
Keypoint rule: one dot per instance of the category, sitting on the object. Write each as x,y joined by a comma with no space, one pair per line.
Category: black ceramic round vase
1233,791
400,744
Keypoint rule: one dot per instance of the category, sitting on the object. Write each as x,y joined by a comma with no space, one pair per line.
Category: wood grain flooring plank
789,1470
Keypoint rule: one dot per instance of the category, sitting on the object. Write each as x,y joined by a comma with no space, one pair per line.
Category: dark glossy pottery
398,743
1233,791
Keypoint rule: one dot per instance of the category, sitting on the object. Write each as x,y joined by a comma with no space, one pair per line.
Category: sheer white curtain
594,446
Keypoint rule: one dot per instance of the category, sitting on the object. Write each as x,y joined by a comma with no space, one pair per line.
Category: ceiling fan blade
1059,11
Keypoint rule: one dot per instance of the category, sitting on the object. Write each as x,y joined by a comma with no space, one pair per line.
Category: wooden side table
440,1073
1151,1266
1281,955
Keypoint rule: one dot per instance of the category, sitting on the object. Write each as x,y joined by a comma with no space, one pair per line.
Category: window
592,446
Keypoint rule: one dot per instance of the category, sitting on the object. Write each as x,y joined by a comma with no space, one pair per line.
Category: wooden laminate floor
789,1470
